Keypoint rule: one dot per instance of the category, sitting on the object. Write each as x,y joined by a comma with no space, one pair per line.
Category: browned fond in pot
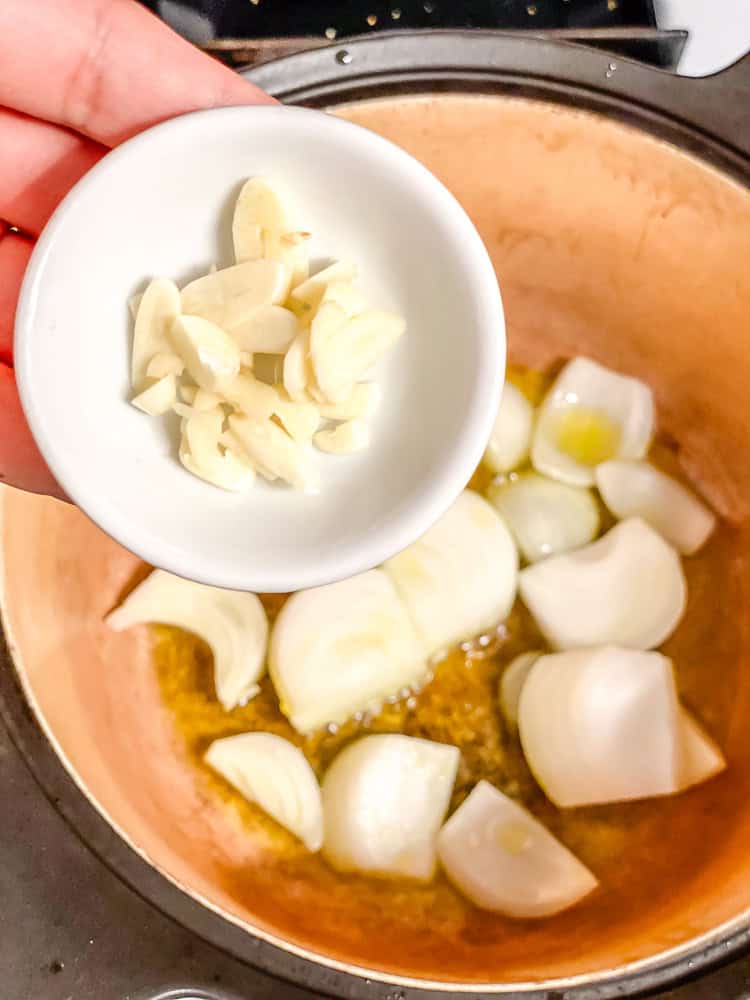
606,243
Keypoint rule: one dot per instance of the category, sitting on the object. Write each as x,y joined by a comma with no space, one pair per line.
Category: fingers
14,256
109,69
39,163
21,464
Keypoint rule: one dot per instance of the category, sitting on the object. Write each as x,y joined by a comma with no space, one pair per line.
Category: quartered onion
234,625
502,858
275,774
590,415
460,577
601,725
384,798
512,682
637,489
509,441
701,757
545,516
627,588
342,648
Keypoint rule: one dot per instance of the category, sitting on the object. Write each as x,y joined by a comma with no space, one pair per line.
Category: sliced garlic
627,589
229,296
295,374
260,401
546,517
158,307
211,356
233,624
632,488
512,682
354,435
590,415
299,419
273,773
509,442
261,223
460,577
188,393
204,400
701,757
343,348
601,725
384,798
200,453
134,304
311,291
165,364
274,453
266,330
346,296
326,665
502,858
159,398
360,404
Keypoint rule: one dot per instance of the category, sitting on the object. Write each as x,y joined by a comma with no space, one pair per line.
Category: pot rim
676,110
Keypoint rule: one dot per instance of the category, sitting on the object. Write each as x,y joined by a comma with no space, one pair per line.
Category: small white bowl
161,204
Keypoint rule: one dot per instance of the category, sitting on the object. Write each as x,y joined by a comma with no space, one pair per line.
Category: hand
76,78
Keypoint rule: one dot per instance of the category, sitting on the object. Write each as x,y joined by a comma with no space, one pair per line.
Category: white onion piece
546,517
158,398
512,682
234,625
275,774
211,356
637,489
701,757
353,435
384,798
502,858
509,441
157,309
627,588
460,577
342,648
590,415
601,725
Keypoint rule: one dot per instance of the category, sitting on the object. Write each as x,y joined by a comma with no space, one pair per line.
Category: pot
613,199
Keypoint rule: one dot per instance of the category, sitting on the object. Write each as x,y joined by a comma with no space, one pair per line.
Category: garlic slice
157,309
346,296
200,454
274,453
501,858
326,665
274,774
164,364
295,373
384,798
234,625
311,291
158,398
261,228
360,404
266,330
546,517
343,348
601,725
590,415
510,438
211,356
354,435
701,757
460,577
512,682
204,400
631,488
627,588
229,296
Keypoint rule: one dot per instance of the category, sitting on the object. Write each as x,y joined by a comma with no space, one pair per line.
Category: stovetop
71,930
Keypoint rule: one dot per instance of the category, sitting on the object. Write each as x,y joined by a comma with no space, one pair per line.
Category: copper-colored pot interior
607,243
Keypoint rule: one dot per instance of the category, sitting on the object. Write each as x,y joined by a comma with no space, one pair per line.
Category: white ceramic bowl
161,205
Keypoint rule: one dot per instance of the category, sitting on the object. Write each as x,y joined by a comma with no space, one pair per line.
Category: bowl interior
607,243
162,204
